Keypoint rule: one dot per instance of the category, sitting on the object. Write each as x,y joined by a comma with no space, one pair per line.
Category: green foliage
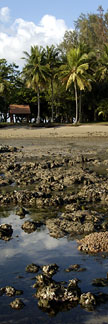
93,29
102,109
35,72
75,72
8,78
69,79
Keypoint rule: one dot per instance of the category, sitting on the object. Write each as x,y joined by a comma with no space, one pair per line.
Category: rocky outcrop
94,243
5,232
30,227
17,304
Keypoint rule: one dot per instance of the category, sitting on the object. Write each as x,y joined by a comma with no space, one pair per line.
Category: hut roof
19,109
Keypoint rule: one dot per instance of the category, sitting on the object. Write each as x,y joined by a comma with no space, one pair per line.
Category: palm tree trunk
76,99
38,113
80,112
52,105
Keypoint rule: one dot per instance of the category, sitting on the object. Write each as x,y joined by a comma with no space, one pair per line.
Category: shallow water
38,247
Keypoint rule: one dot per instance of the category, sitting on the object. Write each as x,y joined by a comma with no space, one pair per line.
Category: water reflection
38,247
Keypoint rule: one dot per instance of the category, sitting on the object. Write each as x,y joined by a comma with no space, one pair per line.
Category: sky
27,23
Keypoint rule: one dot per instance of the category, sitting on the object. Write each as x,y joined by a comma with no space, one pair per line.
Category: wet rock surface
52,295
10,291
50,269
7,148
75,267
73,189
55,296
69,184
30,227
5,232
33,268
17,304
75,222
94,243
100,282
21,212
87,299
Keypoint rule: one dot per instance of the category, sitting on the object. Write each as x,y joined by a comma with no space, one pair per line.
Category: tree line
63,83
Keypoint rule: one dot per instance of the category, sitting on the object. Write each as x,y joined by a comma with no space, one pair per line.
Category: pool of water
40,248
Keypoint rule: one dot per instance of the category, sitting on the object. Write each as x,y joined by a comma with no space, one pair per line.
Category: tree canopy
64,82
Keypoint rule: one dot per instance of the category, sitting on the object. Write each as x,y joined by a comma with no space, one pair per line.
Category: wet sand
86,130
61,139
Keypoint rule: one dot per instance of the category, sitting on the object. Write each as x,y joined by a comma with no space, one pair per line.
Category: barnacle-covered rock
30,227
5,232
94,243
33,268
87,299
17,303
10,291
21,212
50,269
51,294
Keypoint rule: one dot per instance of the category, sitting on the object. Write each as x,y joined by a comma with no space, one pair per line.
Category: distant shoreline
86,130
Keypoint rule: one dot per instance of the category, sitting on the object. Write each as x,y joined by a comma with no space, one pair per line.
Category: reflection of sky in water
38,247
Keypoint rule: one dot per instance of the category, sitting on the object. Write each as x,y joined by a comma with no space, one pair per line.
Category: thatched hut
19,112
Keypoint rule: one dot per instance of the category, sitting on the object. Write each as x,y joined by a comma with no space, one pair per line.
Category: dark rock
50,269
17,304
21,212
87,299
30,227
100,282
10,291
5,232
75,267
2,291
33,268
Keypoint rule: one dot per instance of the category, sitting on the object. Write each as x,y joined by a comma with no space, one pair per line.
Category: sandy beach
52,132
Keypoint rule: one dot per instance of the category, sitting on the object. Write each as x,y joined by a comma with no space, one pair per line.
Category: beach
87,130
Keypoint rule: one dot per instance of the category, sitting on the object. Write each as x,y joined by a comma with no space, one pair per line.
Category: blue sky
24,23
69,10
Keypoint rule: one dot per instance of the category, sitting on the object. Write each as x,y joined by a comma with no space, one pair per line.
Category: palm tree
102,69
8,75
102,74
52,63
34,72
75,72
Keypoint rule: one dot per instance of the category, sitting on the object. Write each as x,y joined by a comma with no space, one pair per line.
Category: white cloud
22,34
4,14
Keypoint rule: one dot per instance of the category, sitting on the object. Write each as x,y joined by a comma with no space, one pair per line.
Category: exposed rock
7,148
21,212
87,299
94,243
5,232
101,298
17,304
100,282
2,291
33,268
50,269
30,227
54,292
74,222
10,291
75,267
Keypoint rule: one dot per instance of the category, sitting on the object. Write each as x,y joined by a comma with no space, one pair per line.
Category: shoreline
93,130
